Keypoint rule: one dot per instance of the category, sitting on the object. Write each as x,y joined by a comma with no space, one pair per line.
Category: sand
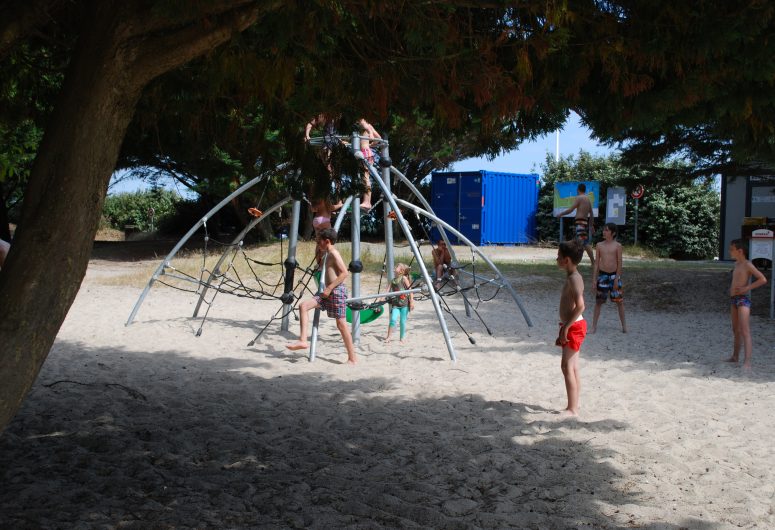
150,426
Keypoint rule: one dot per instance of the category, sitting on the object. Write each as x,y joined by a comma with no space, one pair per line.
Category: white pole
557,146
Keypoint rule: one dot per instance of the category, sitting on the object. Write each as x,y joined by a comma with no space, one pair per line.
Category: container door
471,207
445,193
509,208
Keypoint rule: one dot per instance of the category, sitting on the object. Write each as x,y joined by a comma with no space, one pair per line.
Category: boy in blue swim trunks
740,298
607,274
333,298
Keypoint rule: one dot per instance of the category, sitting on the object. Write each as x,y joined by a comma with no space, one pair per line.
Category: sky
530,155
526,159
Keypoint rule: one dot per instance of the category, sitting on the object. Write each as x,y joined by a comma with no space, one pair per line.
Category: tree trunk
70,176
62,206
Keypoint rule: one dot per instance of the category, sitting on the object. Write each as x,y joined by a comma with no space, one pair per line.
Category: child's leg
394,315
403,311
347,338
366,202
736,334
570,370
620,308
304,309
744,331
598,305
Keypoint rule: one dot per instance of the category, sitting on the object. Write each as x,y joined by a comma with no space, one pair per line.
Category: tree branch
20,20
157,55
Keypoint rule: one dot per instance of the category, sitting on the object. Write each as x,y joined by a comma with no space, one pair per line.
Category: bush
125,209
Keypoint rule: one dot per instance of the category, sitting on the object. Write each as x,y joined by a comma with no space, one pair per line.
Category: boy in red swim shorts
573,327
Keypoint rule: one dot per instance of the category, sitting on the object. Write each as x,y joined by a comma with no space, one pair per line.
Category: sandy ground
150,426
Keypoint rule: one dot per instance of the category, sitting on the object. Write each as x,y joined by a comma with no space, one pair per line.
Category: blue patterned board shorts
609,285
336,304
741,300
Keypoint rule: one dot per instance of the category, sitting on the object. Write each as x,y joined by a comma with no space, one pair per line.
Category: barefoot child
740,293
332,299
400,305
573,327
607,274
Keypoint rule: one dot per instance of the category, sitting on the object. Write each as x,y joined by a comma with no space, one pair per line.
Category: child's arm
408,284
569,210
756,273
619,261
596,267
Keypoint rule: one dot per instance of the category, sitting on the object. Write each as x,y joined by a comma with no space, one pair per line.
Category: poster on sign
565,193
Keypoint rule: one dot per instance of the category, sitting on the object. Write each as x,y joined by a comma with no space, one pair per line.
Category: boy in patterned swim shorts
607,274
332,298
740,294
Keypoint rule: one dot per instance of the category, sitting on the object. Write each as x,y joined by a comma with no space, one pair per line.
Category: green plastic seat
367,315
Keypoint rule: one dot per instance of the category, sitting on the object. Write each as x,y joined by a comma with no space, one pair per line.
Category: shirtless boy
441,259
585,221
740,293
332,298
607,274
573,327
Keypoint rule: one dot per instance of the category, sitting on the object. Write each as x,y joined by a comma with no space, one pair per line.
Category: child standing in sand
401,304
332,298
573,327
607,274
740,293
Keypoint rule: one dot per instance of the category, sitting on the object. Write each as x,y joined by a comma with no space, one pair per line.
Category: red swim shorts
576,333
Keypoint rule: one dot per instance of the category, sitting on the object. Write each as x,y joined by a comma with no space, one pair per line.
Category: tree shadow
165,440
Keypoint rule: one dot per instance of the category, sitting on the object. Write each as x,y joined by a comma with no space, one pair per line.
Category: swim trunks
576,333
608,284
582,232
319,221
741,300
335,305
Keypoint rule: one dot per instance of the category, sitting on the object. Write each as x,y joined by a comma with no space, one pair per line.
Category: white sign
616,206
761,244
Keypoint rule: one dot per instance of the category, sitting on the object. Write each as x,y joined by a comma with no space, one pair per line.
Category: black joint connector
355,266
385,162
290,263
287,298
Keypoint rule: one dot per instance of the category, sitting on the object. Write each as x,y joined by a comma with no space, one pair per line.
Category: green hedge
125,209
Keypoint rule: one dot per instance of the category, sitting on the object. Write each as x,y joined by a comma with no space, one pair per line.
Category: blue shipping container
486,207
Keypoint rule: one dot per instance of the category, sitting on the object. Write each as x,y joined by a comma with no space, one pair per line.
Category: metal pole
388,222
380,295
560,236
635,242
355,230
290,265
